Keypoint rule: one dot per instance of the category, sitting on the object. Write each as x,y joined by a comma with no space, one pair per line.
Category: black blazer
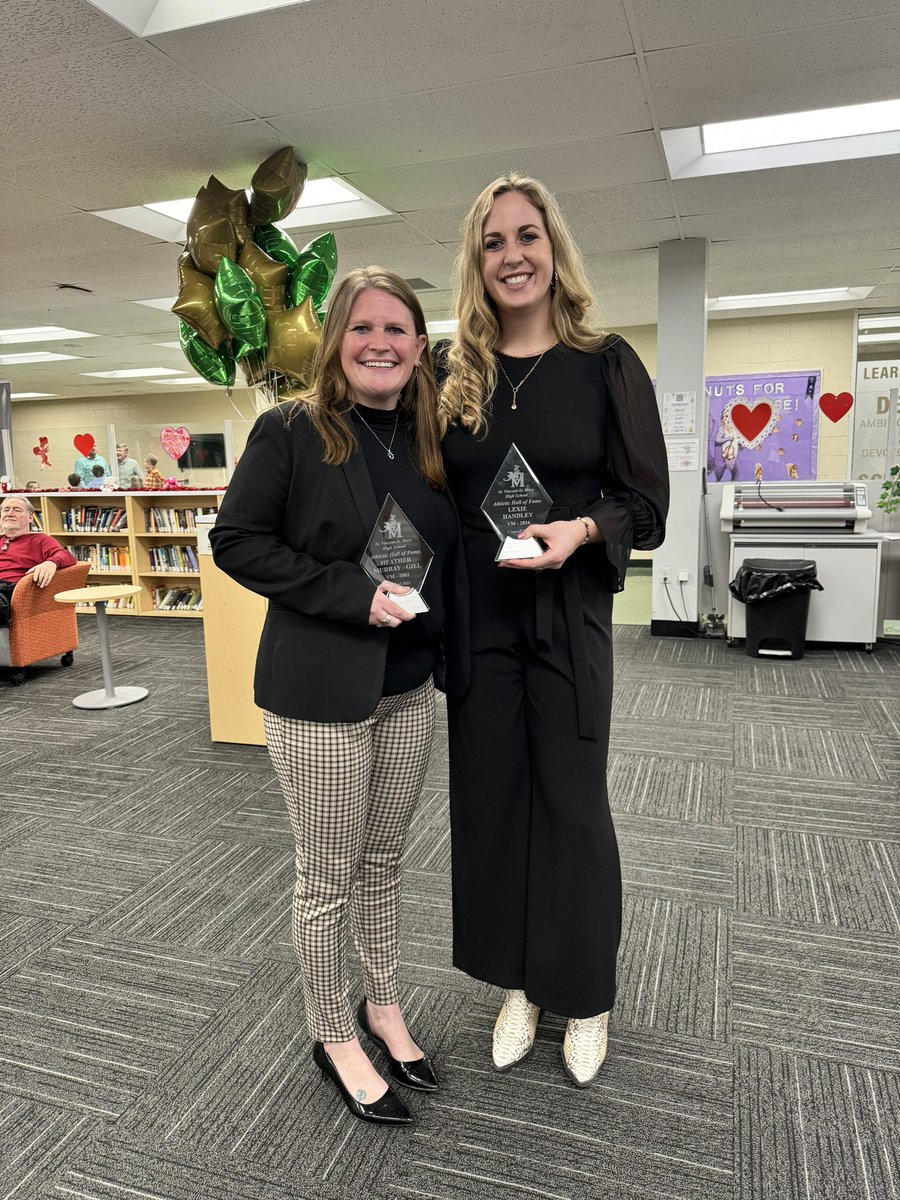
293,529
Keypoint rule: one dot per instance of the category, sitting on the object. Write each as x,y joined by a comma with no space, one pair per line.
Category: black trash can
776,593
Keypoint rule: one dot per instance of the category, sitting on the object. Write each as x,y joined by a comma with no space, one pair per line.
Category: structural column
681,389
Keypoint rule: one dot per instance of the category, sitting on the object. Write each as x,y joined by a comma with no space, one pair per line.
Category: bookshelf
145,538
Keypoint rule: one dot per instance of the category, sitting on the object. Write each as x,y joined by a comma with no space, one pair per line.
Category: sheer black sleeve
635,500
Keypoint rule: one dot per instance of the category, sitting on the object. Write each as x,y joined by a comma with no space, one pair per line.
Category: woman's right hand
384,613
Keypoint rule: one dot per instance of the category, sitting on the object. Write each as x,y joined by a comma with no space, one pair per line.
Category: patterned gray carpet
151,1040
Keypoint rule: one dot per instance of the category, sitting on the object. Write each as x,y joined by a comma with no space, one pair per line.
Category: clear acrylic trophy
396,551
515,500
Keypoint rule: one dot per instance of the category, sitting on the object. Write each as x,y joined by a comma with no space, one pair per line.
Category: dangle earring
554,281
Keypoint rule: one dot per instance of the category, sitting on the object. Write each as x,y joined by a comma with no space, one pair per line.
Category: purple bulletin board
784,448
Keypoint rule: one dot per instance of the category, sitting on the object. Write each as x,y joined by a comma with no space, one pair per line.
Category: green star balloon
276,244
239,305
314,271
217,366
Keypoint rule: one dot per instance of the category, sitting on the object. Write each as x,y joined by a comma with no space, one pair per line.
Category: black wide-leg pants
537,895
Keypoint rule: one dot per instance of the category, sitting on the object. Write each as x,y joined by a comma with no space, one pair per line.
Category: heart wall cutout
84,443
752,424
835,406
174,441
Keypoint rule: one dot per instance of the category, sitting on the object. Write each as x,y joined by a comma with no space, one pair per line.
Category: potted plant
889,499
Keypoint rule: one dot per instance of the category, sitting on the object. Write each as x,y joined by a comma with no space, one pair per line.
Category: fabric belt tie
545,584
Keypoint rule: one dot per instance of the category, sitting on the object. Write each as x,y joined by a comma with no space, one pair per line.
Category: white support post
681,368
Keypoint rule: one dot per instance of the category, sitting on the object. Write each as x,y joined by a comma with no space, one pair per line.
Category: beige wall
810,341
138,421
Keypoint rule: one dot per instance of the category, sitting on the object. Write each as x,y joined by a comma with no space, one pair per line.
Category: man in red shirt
25,553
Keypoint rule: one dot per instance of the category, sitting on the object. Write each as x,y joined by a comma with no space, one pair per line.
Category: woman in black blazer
344,671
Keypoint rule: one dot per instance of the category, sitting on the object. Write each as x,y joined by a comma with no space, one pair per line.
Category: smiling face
15,517
379,349
517,256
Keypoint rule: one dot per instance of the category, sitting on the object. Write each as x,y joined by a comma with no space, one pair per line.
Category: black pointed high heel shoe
418,1074
388,1109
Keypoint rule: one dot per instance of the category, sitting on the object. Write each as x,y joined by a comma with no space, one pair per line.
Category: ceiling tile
343,52
816,67
119,91
571,166
31,31
699,22
871,213
601,99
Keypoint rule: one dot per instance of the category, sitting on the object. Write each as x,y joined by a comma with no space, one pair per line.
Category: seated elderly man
25,553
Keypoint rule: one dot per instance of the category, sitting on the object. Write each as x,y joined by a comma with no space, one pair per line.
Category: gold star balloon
196,303
210,234
277,185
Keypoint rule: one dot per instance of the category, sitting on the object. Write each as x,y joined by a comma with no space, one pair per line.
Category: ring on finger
385,620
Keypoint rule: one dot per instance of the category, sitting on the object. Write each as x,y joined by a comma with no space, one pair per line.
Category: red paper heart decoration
835,406
84,443
750,422
174,441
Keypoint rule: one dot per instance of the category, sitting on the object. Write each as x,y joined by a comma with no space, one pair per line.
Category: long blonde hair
471,360
328,401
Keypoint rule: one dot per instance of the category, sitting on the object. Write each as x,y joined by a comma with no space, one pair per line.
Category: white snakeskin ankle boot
584,1048
514,1031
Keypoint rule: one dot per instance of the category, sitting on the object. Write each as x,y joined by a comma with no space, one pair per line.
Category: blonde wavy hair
471,359
328,400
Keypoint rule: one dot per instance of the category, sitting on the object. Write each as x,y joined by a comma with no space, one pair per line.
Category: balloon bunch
246,294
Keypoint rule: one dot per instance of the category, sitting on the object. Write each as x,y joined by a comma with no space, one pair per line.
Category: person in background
536,884
25,553
74,480
153,477
97,479
344,672
126,468
86,463
32,486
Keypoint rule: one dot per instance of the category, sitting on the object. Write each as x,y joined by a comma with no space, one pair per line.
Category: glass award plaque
515,500
397,552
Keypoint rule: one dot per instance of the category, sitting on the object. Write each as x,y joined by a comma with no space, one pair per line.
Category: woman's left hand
562,539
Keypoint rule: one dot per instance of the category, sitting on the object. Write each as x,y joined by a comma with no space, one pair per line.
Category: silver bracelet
587,530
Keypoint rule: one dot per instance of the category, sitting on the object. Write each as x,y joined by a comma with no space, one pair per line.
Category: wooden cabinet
847,566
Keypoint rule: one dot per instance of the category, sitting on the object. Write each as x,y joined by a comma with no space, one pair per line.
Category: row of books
103,557
169,599
173,558
119,602
171,520
37,522
91,518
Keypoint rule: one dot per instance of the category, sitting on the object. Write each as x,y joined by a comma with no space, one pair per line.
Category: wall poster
763,427
877,388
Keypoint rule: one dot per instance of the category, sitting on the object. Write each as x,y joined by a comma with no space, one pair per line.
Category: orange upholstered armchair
40,628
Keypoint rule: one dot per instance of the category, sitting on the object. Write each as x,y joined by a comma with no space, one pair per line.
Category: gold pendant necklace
515,388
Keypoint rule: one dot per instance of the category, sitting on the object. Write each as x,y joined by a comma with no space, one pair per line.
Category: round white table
108,696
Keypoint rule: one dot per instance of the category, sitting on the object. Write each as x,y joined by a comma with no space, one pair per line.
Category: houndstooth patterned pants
351,788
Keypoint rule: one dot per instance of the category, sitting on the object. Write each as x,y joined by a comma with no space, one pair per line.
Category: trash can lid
786,566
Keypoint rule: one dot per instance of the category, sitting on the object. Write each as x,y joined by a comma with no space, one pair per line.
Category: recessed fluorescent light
133,373
328,201
168,345
165,303
783,140
35,395
788,299
879,322
435,327
818,125
40,333
37,356
150,17
880,337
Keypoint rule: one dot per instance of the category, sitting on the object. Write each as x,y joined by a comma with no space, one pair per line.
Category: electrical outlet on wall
665,574
684,576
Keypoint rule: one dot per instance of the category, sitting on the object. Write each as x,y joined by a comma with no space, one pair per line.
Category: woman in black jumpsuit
536,882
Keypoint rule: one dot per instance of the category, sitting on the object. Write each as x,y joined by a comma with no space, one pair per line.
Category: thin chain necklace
515,388
386,448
